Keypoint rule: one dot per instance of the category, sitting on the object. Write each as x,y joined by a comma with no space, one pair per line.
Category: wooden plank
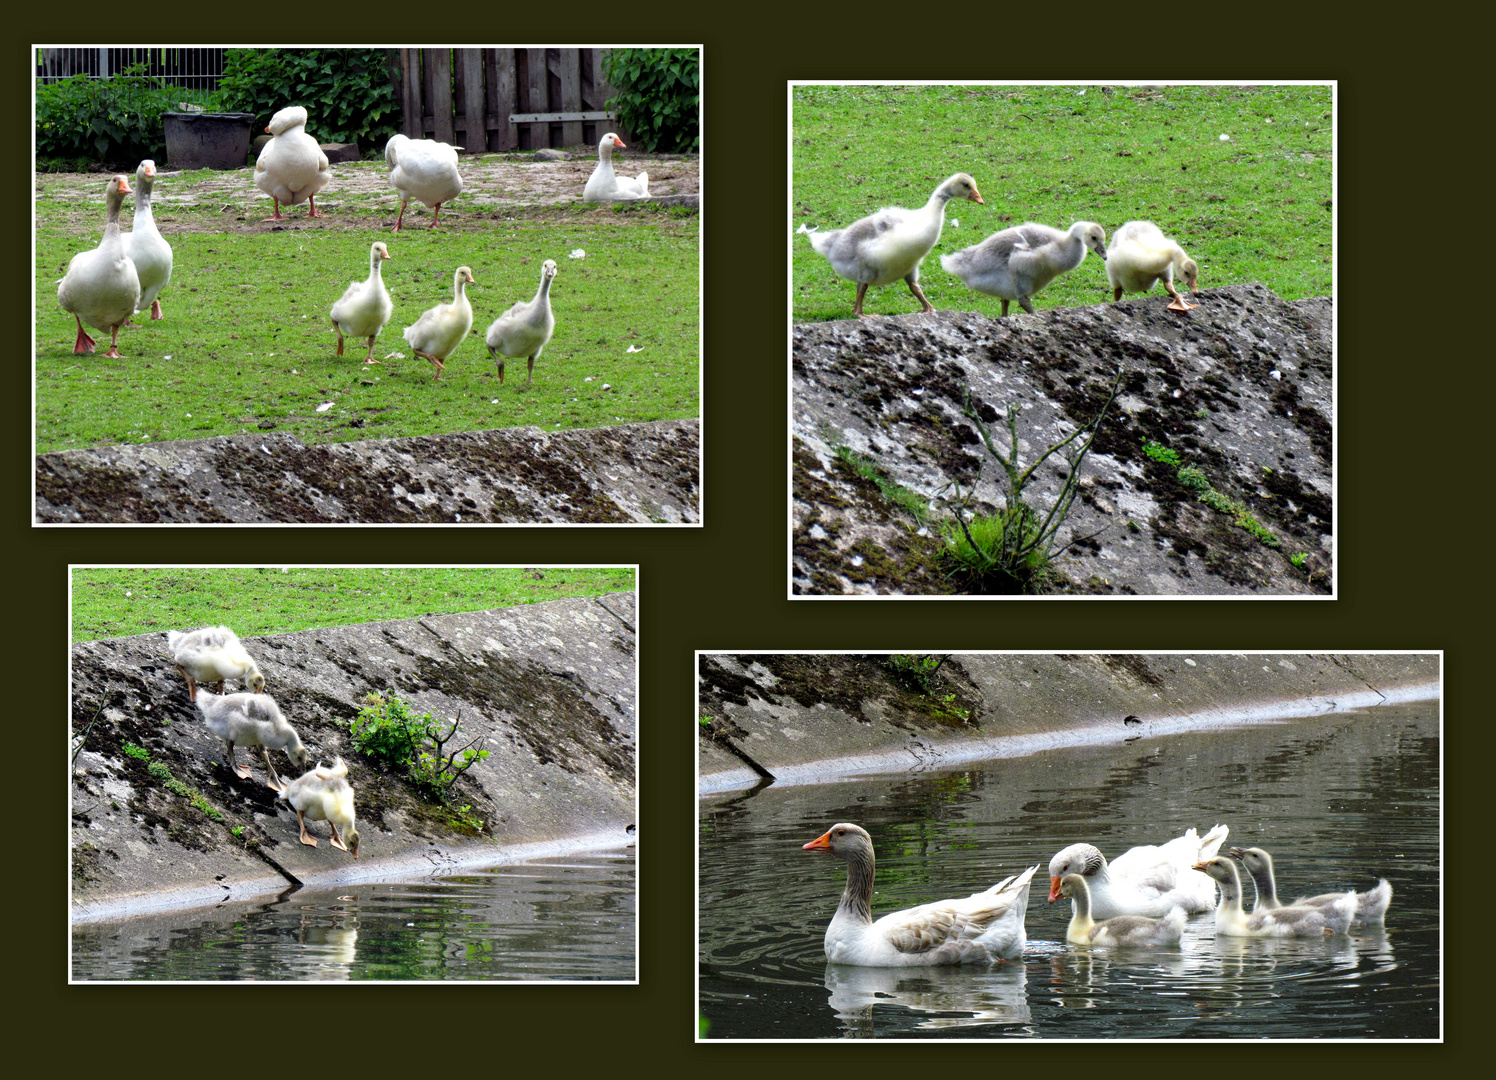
410,81
502,99
427,86
441,95
540,97
571,95
474,133
557,117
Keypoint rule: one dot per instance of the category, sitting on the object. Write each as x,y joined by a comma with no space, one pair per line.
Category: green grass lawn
1253,208
117,602
246,343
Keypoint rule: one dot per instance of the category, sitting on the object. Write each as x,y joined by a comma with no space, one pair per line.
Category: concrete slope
1240,388
632,473
800,717
548,689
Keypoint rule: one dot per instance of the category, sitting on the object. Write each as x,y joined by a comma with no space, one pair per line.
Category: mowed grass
118,602
1253,208
246,343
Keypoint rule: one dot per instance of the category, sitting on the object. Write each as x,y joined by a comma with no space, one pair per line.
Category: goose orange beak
820,843
976,197
619,143
1054,889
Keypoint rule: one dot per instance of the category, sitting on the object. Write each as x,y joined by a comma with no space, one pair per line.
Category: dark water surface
1339,801
569,917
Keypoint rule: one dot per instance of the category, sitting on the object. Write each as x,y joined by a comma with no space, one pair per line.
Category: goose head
960,186
378,252
463,275
116,189
145,173
608,143
1254,859
350,837
1075,887
548,269
1190,271
292,116
1075,859
256,682
1224,871
845,841
1092,235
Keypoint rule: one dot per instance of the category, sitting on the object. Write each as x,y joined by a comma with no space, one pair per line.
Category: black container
207,140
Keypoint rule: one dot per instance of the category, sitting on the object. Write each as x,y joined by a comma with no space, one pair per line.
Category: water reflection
1345,799
570,917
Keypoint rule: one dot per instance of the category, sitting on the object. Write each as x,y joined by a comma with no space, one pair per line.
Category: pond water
1339,801
563,918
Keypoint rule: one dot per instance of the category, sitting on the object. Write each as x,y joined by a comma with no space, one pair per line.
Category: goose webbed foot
337,841
306,838
83,343
277,217
156,309
311,202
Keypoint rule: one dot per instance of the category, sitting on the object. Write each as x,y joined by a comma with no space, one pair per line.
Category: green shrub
414,745
657,96
347,93
115,122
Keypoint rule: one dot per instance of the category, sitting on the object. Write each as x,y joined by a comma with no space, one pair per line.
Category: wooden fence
505,99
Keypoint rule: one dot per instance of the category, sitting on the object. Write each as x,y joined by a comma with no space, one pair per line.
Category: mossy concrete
799,717
548,689
630,473
1240,387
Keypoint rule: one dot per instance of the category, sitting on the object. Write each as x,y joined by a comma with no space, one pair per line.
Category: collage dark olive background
1411,568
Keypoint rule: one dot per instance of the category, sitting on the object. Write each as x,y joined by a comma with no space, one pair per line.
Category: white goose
1292,921
1371,906
604,186
1016,263
251,720
365,306
424,170
439,330
1140,255
985,926
525,328
1144,880
291,167
324,795
888,246
1135,930
145,245
212,655
101,286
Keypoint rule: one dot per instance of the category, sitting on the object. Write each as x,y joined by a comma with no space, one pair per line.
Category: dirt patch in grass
495,186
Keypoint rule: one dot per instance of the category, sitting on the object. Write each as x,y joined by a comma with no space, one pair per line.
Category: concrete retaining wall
548,689
805,717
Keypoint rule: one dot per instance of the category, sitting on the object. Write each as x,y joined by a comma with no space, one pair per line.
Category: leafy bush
116,121
657,96
346,92
388,731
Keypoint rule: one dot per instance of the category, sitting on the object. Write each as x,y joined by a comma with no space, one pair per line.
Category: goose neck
857,900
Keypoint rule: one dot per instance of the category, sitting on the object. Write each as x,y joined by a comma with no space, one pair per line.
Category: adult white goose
888,246
365,306
1371,906
1016,263
1292,921
1144,880
525,328
604,185
1136,930
1140,255
145,245
101,286
439,330
251,720
211,656
324,794
291,167
985,926
424,170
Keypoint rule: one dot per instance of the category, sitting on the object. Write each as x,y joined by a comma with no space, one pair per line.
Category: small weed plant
1011,551
915,672
1193,477
387,730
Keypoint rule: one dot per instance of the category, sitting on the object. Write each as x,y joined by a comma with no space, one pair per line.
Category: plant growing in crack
1011,551
388,731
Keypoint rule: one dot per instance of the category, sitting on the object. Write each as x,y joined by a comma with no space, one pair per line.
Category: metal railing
195,72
